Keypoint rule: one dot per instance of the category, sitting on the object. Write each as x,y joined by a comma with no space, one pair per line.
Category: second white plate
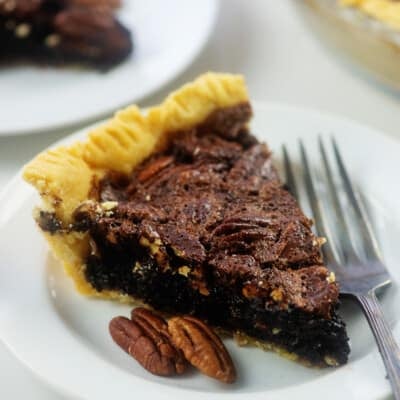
63,337
167,36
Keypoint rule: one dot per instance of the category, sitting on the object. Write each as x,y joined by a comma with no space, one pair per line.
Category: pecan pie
62,32
181,208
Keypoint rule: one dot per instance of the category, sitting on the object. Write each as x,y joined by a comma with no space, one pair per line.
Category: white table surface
282,61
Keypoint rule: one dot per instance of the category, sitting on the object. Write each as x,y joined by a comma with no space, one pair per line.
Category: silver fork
358,277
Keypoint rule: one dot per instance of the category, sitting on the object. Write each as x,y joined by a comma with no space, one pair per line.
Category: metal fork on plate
358,277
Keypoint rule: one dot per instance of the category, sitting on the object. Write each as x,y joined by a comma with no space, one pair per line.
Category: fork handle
387,345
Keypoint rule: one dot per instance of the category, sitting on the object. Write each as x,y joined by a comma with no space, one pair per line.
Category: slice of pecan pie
62,32
181,208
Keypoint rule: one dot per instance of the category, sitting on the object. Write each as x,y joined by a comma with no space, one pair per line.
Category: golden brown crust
64,176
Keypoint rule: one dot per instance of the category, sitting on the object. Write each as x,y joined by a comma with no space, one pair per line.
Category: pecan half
153,168
202,348
146,339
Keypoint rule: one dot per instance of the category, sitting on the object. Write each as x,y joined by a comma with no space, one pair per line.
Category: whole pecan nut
202,348
146,339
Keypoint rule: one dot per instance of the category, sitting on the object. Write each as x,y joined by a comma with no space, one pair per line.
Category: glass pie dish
369,42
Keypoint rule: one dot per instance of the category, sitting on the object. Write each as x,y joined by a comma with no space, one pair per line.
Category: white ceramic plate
167,36
63,337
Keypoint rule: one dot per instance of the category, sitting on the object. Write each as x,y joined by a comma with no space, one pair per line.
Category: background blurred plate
63,337
167,36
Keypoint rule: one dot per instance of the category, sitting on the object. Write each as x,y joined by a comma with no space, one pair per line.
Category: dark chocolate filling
49,222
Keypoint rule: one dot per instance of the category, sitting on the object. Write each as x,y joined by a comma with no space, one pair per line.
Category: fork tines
359,277
342,249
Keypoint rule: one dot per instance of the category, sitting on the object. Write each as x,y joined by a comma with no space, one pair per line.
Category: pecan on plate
202,348
146,339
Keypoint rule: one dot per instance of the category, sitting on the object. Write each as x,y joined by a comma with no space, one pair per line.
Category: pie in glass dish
179,207
367,32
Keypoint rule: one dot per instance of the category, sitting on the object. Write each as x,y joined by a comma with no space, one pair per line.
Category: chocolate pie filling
206,227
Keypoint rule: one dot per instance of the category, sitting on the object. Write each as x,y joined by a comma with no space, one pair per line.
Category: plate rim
167,391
